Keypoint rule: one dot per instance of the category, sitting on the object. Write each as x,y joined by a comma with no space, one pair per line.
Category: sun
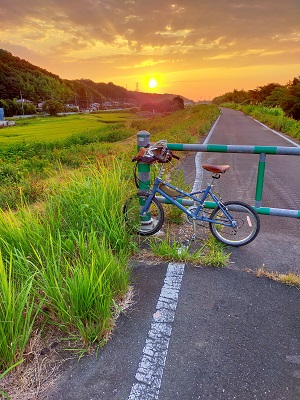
152,83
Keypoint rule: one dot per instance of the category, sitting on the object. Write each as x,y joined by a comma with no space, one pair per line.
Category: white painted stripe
199,170
278,133
151,366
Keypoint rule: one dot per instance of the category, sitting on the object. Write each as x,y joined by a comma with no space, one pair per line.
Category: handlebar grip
177,157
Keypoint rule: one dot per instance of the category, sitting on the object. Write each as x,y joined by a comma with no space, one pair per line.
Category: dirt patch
43,359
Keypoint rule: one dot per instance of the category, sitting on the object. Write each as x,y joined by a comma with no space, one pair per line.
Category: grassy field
37,149
64,249
57,129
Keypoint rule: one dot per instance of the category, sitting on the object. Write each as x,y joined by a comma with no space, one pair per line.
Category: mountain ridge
19,79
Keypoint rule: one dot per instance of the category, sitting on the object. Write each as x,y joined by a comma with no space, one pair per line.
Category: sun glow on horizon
152,83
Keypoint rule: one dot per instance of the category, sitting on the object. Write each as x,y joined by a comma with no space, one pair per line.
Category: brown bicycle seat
216,169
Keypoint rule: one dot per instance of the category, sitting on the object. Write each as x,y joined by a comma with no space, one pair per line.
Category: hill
20,79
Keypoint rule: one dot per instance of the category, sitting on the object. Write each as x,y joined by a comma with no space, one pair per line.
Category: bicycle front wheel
148,224
242,230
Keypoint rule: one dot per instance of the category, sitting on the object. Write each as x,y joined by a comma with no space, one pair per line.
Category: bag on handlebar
157,152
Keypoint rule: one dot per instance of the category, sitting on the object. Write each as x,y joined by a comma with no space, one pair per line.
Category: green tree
53,107
291,106
177,103
276,98
4,105
237,96
260,94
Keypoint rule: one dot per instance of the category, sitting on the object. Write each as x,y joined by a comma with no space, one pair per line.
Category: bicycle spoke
242,230
148,224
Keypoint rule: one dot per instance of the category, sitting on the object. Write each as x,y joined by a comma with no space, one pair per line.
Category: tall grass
17,313
184,126
67,262
79,291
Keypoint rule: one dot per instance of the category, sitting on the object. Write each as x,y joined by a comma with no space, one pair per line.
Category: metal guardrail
144,169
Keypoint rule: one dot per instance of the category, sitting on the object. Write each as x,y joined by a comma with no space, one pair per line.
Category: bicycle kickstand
194,231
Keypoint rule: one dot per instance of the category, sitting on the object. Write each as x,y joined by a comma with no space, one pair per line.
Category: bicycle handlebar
158,158
141,157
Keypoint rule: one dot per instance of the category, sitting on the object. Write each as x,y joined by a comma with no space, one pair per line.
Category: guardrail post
260,179
143,139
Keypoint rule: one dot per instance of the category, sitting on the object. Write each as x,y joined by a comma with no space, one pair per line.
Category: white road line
199,170
151,366
278,133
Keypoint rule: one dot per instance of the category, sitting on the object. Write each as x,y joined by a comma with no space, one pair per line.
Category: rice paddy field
57,129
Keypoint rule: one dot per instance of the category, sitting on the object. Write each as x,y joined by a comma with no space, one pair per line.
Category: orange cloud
104,40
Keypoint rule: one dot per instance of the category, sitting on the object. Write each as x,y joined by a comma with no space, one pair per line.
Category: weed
290,279
211,252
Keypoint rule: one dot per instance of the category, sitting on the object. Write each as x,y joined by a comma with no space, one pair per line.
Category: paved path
277,247
197,333
234,336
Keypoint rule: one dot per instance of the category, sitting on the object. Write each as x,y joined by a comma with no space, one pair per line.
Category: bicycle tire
148,226
247,219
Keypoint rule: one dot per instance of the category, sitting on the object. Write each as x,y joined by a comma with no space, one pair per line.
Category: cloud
143,64
152,23
144,35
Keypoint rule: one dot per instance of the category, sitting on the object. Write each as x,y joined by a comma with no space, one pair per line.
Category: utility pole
22,101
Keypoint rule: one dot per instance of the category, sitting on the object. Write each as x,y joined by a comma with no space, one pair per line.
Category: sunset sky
195,48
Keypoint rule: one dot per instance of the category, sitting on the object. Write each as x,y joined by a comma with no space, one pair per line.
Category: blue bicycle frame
194,215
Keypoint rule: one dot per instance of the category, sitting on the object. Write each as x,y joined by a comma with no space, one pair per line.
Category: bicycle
233,223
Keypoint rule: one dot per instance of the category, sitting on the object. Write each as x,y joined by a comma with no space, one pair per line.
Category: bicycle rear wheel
245,227
147,225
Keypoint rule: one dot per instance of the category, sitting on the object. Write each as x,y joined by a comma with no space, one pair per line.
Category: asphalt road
234,336
277,247
203,333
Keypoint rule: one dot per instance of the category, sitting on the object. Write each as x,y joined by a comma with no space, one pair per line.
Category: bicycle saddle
216,169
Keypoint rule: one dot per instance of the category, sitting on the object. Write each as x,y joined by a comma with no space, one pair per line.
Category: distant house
71,107
107,105
94,107
24,101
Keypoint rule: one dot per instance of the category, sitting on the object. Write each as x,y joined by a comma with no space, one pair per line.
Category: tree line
19,79
166,106
287,97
